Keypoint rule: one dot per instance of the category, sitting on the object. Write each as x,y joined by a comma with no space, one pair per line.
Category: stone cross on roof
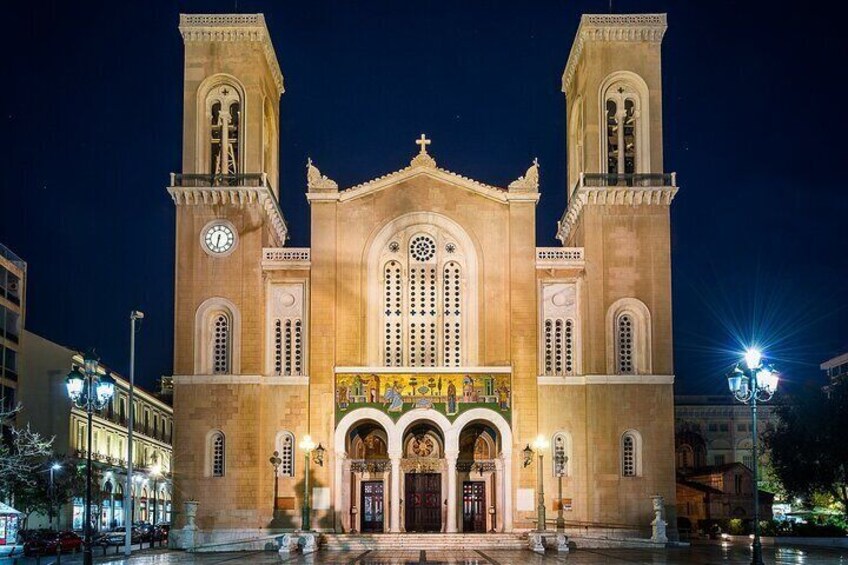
423,142
423,159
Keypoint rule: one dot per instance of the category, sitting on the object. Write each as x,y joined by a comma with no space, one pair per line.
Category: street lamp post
89,391
539,444
751,382
135,315
52,494
316,454
275,462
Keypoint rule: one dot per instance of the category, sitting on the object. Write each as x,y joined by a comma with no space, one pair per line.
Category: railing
642,180
558,254
199,180
285,254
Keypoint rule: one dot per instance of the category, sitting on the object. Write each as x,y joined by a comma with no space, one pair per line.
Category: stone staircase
417,542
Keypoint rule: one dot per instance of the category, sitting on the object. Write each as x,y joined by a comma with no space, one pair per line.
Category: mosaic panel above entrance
399,393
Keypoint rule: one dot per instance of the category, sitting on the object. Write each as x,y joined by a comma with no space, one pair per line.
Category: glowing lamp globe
768,379
75,383
105,389
753,358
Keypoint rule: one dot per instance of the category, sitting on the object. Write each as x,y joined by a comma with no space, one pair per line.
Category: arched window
685,457
629,338
221,329
631,454
624,105
285,447
558,316
223,103
561,454
217,452
217,326
423,299
624,345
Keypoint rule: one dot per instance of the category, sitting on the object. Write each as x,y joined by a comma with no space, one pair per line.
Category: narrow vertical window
629,455
392,315
278,347
624,345
422,302
612,137
288,348
558,352
220,344
629,136
218,452
285,447
560,455
298,348
549,346
568,346
451,320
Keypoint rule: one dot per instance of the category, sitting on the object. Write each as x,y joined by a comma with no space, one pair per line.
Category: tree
35,495
809,453
22,456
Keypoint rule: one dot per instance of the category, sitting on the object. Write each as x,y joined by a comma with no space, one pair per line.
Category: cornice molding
612,27
235,196
582,380
247,28
610,196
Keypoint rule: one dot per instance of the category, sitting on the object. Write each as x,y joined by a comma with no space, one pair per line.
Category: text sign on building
448,393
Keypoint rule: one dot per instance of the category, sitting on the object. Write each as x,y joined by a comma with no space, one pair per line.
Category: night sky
754,127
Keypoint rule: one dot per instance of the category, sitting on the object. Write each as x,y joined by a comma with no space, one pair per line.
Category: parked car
52,543
118,535
160,533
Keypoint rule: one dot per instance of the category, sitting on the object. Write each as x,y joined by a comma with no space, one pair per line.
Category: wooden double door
373,506
423,502
474,506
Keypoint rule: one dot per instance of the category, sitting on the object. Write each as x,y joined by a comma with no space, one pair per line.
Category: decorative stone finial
529,182
423,159
315,181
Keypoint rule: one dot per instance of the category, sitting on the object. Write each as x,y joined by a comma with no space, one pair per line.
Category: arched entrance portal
423,473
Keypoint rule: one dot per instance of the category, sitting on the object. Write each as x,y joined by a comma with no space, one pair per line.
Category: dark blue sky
753,126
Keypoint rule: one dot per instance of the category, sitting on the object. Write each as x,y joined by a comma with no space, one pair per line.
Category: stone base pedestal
308,542
536,542
562,542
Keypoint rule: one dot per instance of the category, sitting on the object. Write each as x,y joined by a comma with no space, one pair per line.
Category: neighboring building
12,313
719,493
49,411
836,369
424,339
715,430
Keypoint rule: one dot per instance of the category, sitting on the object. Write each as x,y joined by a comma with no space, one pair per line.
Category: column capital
395,456
452,456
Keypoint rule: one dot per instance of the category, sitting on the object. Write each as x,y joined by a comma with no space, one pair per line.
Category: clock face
219,238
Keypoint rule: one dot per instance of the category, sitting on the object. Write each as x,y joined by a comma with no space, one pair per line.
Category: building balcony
641,180
606,189
197,189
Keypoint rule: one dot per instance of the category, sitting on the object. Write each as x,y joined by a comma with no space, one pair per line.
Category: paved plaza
700,554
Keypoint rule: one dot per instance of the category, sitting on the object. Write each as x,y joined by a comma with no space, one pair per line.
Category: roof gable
525,188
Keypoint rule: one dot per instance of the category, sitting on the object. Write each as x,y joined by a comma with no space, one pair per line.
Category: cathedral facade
414,367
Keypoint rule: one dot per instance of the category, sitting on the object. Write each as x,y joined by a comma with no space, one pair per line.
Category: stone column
506,501
394,518
339,487
498,496
451,518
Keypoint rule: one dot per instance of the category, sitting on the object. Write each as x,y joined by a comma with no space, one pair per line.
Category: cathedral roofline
232,28
525,188
612,27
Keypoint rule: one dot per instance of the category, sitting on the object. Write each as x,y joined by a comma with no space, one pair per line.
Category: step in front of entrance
363,542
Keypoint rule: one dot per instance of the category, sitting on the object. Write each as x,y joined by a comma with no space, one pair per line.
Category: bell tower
618,211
